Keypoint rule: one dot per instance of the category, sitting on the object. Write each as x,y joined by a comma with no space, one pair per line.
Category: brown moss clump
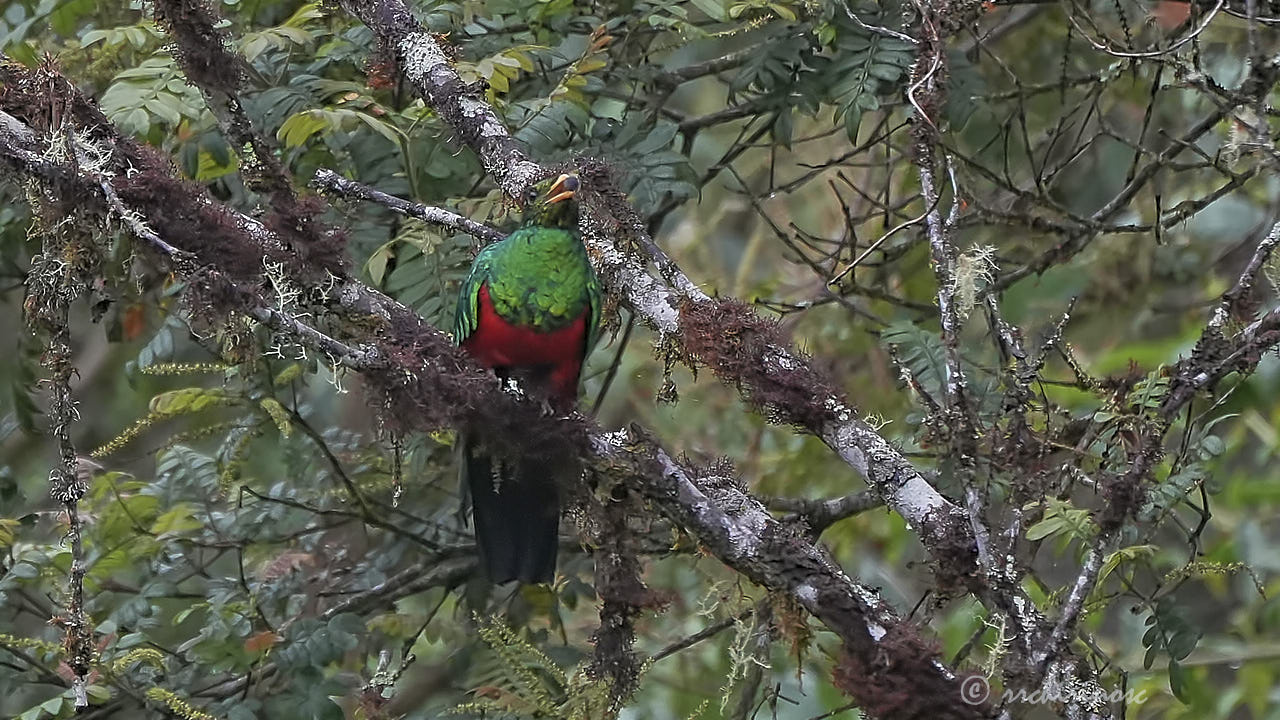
429,384
48,102
623,597
174,211
900,679
1123,496
292,220
202,50
740,347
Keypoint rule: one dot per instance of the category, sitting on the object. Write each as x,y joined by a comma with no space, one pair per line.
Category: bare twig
329,181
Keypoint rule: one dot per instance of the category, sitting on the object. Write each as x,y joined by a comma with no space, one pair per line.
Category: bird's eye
570,183
531,195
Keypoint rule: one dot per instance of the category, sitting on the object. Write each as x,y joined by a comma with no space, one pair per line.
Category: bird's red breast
498,343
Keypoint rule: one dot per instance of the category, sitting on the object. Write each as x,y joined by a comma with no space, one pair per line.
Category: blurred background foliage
766,140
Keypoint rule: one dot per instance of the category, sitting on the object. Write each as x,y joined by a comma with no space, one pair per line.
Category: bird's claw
545,407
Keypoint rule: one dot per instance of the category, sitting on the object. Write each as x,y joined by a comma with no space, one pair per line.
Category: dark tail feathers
517,516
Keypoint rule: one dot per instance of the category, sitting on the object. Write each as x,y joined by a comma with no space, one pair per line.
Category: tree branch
329,181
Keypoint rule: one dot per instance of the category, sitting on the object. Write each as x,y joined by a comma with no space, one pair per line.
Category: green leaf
783,124
189,466
188,400
93,37
713,9
1061,518
1123,555
137,122
151,69
885,72
8,531
920,351
253,45
180,519
137,35
25,53
384,129
1045,528
278,415
1213,445
165,111
376,265
1178,681
300,126
852,122
53,706
304,15
183,614
659,139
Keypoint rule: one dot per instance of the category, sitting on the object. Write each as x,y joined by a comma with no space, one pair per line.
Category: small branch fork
1214,357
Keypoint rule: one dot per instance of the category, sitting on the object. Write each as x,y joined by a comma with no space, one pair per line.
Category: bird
529,310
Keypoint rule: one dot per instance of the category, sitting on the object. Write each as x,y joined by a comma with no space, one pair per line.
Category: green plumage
538,277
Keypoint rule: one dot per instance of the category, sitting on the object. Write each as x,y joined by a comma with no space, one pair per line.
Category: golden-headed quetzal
530,310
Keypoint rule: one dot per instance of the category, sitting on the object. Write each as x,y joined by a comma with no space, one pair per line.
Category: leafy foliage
152,93
428,270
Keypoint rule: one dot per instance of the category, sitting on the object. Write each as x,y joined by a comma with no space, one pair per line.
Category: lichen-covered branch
329,181
820,514
58,277
427,66
739,531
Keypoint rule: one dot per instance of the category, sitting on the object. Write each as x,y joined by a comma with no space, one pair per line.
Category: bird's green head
551,203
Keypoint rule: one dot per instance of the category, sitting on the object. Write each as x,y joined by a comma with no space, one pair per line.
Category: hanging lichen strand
69,259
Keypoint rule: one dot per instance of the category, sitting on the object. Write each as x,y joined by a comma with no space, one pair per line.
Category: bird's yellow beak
563,188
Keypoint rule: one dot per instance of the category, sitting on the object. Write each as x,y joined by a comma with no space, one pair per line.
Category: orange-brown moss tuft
739,347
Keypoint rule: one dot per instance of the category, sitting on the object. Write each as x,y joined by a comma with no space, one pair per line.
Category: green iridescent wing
595,302
467,316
